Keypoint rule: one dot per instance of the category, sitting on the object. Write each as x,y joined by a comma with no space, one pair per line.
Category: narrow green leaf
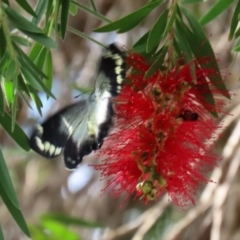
4,63
48,70
30,78
237,33
40,9
10,71
22,85
41,38
34,96
1,234
88,10
73,9
14,103
135,17
26,62
141,45
185,50
49,12
69,220
237,46
83,35
183,44
157,64
215,10
3,47
129,26
64,16
235,21
25,5
25,99
93,5
20,22
201,47
57,230
190,1
1,102
20,40
156,32
15,212
8,91
35,51
39,61
18,134
171,20
6,1
6,182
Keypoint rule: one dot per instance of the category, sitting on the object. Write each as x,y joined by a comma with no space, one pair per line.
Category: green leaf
237,46
131,20
1,102
156,32
8,91
25,5
158,62
64,16
39,61
4,63
34,96
201,47
40,9
20,22
1,234
183,45
34,82
14,103
57,230
88,10
15,212
10,71
6,182
237,33
235,21
215,10
35,51
171,20
26,62
41,38
20,40
49,12
69,220
73,9
17,135
93,5
190,1
48,70
141,45
3,47
86,36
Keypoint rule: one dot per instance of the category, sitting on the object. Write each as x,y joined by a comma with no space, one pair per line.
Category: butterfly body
79,129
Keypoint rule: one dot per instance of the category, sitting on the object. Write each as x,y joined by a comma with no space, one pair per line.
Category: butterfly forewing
81,128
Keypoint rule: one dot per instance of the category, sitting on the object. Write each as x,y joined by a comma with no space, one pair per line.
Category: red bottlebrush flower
163,127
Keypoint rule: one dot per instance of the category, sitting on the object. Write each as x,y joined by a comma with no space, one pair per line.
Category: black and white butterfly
79,129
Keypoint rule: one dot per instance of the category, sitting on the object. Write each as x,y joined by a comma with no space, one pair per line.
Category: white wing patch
69,127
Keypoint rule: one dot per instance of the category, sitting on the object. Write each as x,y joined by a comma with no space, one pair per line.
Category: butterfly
79,129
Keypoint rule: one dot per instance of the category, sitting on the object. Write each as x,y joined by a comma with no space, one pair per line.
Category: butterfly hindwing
50,138
88,135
